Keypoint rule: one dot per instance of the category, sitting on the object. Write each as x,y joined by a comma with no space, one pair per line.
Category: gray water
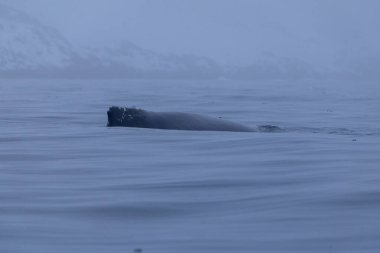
70,184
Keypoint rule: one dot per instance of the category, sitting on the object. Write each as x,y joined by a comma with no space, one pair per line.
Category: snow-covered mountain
27,45
31,49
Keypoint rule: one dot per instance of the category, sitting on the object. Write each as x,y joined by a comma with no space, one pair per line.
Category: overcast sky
235,31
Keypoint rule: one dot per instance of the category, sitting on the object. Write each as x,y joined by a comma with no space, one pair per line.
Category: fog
323,33
210,126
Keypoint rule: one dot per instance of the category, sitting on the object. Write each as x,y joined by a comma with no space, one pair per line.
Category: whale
139,118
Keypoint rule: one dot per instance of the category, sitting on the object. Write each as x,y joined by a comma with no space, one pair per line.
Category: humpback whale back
132,117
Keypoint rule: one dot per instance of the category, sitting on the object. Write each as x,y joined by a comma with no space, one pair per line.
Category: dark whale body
132,117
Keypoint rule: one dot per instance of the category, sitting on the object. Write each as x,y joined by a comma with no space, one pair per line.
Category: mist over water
303,73
227,30
259,39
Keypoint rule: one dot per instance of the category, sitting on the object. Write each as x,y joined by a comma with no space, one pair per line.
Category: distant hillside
27,46
30,49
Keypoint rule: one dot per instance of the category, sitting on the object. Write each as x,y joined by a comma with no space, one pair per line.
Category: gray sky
235,31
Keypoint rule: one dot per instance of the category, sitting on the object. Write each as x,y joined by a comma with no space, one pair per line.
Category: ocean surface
69,184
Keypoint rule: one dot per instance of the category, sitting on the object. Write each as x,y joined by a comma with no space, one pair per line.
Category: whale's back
132,117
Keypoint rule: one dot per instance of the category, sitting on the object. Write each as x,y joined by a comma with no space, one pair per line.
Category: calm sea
69,184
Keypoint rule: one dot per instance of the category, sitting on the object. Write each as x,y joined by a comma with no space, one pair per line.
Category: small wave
335,131
269,129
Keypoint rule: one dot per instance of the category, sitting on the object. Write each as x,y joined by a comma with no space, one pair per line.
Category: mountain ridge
31,49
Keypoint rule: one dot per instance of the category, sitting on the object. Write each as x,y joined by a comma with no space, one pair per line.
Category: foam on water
70,184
